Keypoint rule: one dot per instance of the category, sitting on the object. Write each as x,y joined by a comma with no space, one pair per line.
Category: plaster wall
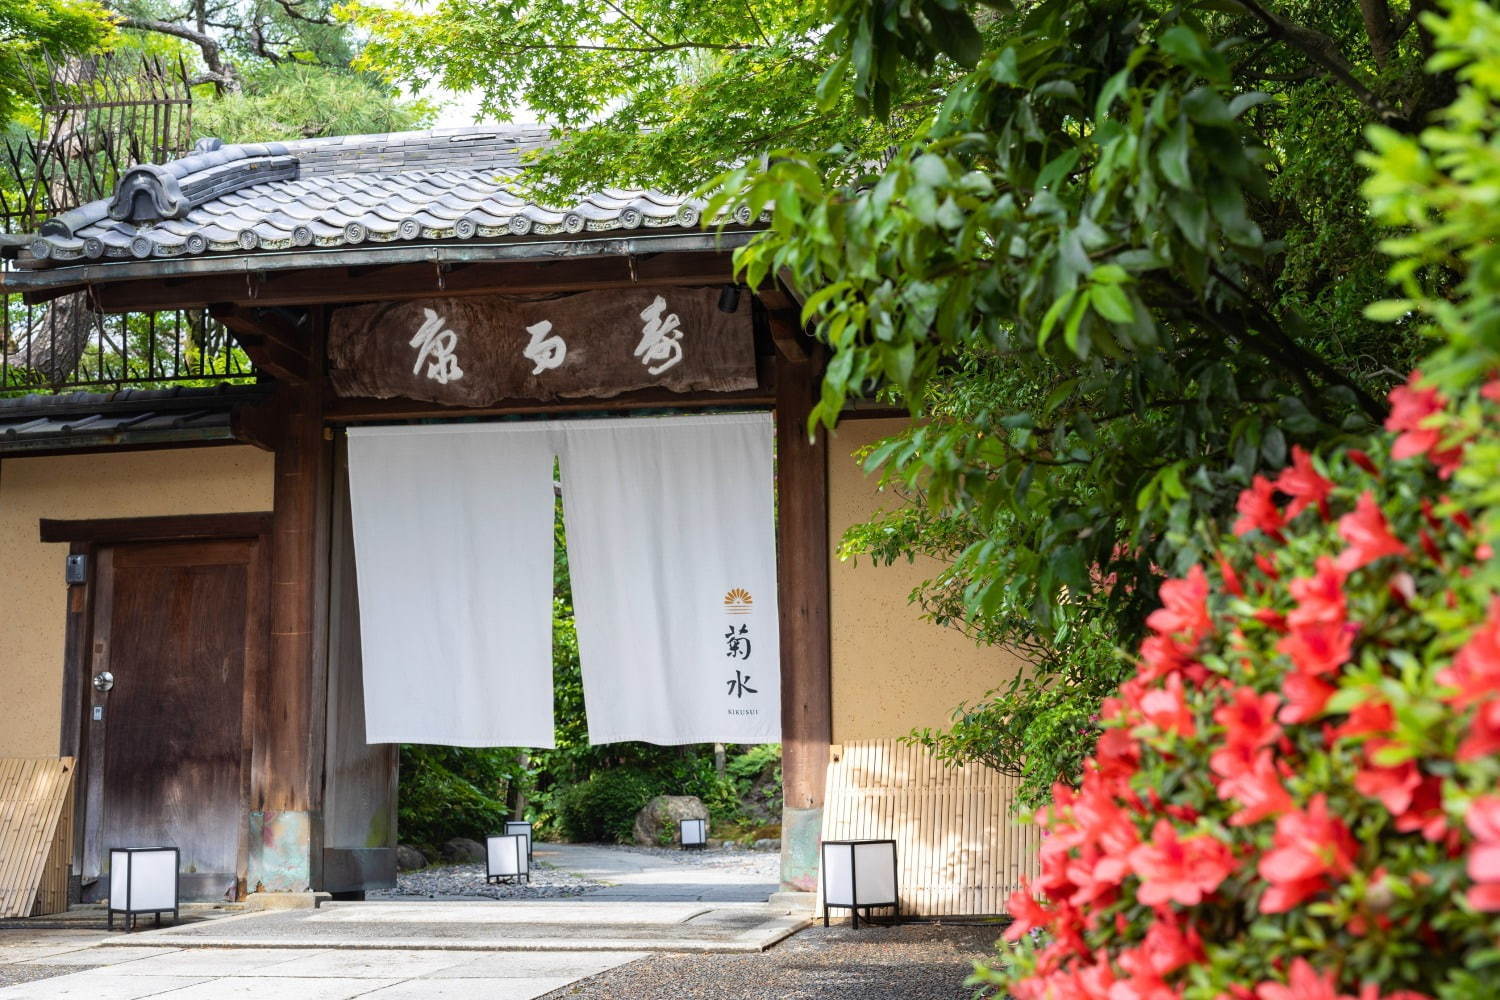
210,480
892,671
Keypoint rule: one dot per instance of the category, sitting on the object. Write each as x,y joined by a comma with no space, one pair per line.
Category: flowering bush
1297,796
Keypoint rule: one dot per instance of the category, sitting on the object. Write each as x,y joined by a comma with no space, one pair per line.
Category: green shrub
603,808
448,792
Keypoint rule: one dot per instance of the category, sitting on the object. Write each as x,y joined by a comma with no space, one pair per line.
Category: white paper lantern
859,875
505,858
517,826
142,880
694,833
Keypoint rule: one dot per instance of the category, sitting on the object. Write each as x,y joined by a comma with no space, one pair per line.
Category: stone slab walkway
429,949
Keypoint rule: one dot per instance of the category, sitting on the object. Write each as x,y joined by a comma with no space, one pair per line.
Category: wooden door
173,625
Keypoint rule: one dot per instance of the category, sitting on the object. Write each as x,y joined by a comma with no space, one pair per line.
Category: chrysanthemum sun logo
738,601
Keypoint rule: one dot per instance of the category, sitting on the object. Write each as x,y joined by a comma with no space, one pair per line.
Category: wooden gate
960,849
168,762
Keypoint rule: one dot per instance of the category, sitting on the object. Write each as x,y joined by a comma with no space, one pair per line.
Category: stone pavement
419,950
680,876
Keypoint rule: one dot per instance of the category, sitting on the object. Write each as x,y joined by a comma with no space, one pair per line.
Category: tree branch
1378,28
1324,51
221,72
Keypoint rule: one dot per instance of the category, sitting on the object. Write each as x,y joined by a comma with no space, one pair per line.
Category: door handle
104,680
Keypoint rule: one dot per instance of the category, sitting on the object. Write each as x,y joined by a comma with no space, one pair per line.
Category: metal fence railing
97,117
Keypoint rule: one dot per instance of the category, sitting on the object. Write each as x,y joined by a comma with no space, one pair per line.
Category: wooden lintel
339,410
180,527
339,285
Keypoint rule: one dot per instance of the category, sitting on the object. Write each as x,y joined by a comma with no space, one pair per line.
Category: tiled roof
129,417
345,192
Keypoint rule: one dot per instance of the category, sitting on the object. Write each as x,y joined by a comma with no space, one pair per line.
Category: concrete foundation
801,833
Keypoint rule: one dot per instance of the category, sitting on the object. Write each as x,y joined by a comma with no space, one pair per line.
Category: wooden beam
257,424
278,326
272,342
806,656
354,410
336,285
176,527
786,333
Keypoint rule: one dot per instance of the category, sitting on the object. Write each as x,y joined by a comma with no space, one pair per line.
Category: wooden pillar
286,779
806,685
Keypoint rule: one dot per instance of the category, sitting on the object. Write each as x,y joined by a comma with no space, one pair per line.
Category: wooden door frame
87,538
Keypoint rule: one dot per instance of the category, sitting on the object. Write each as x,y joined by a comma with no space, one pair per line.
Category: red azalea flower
1179,870
1162,656
1117,757
1395,787
1249,719
1253,782
1231,578
1304,983
1320,597
1310,847
1362,460
1258,511
1475,671
1026,913
1411,408
1271,619
1425,814
1483,864
1368,717
1306,696
1319,649
1166,708
1368,537
1184,607
1483,737
1304,485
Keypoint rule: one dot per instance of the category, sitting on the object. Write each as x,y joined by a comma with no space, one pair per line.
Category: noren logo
738,601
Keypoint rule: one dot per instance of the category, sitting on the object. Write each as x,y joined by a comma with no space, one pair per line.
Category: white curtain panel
453,543
672,552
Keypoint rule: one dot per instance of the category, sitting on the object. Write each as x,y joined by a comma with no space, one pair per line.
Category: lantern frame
702,834
854,903
511,829
127,874
493,849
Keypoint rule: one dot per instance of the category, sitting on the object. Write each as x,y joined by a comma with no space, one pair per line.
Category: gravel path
467,882
762,865
910,962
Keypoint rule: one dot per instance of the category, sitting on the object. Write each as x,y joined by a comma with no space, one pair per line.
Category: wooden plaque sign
479,351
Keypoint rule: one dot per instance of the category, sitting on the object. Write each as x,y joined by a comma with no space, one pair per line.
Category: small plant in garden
1297,796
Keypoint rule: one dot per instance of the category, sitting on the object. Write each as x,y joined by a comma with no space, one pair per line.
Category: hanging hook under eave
630,259
442,277
252,282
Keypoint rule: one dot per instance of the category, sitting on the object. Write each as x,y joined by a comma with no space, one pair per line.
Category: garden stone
462,850
767,844
659,820
408,858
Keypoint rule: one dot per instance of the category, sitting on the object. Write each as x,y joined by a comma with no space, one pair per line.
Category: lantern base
508,879
867,907
130,916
